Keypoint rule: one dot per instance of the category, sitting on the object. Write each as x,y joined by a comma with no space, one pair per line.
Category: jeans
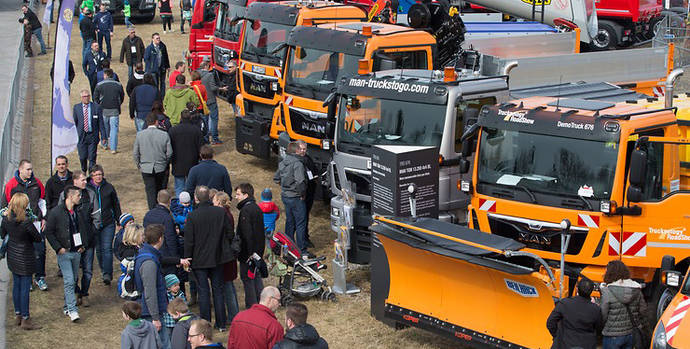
128,23
86,263
20,294
69,266
213,121
205,135
113,128
160,80
162,334
86,45
105,250
619,342
165,335
130,71
216,276
231,301
180,185
252,287
40,252
39,36
105,35
140,124
153,182
296,220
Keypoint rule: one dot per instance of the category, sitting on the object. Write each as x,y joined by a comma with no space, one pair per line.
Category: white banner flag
46,13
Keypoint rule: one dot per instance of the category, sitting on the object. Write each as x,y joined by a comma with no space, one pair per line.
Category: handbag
201,99
641,338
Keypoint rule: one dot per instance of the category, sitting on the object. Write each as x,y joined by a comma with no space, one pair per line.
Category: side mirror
233,54
237,19
467,148
634,194
638,167
464,166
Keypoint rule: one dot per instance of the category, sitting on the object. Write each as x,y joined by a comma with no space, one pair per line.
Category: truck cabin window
467,112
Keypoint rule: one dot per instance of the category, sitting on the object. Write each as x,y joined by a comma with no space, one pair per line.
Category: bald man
258,327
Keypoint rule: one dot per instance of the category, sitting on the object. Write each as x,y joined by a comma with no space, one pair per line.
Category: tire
606,38
663,302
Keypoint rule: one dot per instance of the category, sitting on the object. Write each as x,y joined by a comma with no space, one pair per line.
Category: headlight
659,339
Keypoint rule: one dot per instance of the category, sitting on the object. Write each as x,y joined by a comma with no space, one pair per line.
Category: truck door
661,227
465,113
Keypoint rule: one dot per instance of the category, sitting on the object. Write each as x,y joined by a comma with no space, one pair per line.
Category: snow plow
458,282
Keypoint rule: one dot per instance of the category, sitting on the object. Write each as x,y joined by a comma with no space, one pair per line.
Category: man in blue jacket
88,119
141,101
104,28
157,62
92,62
161,215
149,279
209,173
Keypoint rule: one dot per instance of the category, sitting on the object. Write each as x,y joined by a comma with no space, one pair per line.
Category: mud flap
474,298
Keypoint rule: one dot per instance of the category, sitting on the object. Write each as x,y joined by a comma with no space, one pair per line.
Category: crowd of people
188,250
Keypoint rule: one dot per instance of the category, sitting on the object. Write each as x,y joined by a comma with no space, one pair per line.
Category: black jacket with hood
55,186
574,323
302,337
250,226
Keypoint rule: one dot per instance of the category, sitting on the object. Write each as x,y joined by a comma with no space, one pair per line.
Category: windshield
538,163
224,28
261,38
317,70
366,121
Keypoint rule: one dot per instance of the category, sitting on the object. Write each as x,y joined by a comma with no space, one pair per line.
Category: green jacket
176,99
127,11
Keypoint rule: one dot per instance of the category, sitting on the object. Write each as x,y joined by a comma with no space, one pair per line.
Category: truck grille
259,110
258,85
309,123
535,235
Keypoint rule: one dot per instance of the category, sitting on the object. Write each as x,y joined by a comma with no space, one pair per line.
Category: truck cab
266,27
201,32
320,56
403,107
617,172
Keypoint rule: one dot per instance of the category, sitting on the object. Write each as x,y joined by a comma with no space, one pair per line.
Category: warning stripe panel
634,244
676,319
614,245
588,221
487,205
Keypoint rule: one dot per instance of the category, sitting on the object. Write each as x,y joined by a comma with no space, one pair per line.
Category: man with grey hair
258,327
292,177
312,182
212,89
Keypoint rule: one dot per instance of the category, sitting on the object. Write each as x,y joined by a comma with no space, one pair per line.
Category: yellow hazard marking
537,2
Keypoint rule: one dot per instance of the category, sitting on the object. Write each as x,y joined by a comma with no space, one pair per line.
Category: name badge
76,238
134,49
310,175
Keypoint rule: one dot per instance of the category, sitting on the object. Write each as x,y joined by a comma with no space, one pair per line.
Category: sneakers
113,152
85,301
18,319
41,283
74,316
216,142
65,311
107,279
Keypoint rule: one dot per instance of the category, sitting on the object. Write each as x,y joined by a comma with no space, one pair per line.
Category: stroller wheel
331,297
286,300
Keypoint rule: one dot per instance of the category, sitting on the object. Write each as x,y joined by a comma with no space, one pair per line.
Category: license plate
258,69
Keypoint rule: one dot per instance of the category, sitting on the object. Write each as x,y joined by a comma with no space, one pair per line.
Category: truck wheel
664,300
606,38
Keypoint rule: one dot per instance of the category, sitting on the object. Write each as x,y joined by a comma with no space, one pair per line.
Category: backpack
126,286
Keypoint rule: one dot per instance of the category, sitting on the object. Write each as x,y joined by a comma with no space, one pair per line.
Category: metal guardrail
671,30
10,141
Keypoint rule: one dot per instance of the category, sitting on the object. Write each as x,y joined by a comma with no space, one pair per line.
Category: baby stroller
301,278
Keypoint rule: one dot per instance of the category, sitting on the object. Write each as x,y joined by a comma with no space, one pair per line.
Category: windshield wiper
529,192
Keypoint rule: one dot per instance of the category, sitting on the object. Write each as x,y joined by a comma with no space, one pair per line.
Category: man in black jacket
133,51
135,79
250,226
575,321
57,183
161,215
207,238
109,205
35,26
186,140
87,29
300,334
86,208
67,232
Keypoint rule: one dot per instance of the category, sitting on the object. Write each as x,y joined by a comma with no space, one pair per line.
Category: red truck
201,32
626,22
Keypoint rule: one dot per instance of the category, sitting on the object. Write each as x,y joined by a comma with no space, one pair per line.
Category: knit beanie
124,218
266,195
170,280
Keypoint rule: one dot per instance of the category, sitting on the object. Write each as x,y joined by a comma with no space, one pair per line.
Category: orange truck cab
617,172
319,57
262,56
673,328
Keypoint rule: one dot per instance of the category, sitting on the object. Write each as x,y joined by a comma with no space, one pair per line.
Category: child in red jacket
271,212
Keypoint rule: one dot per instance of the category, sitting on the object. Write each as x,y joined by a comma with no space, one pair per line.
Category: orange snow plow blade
459,282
